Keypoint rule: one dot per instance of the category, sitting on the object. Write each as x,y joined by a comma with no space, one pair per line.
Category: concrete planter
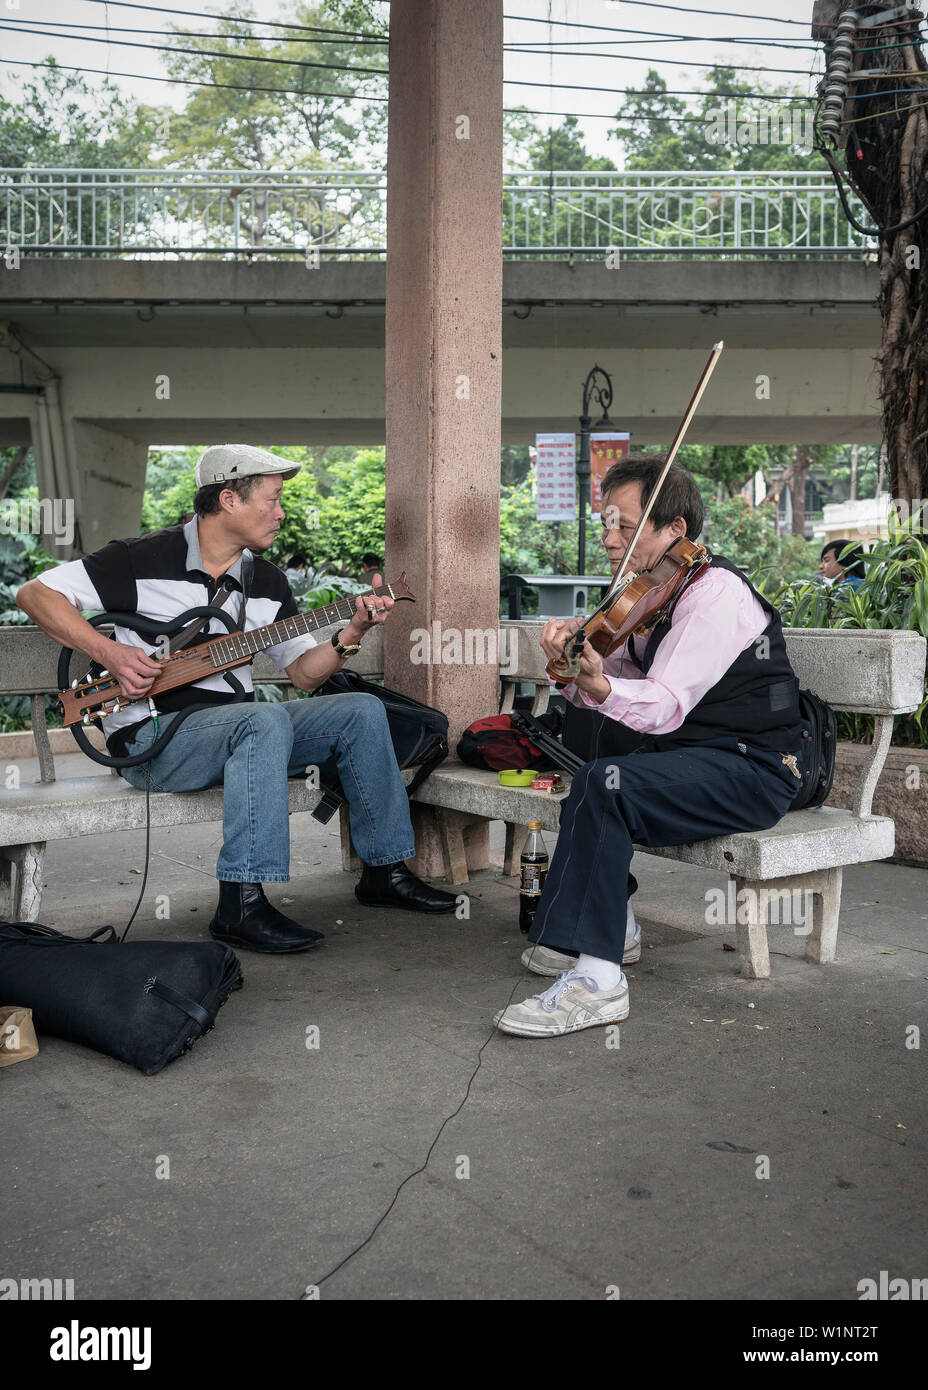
902,792
22,745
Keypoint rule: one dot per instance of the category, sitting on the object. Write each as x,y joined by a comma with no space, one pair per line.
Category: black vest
757,699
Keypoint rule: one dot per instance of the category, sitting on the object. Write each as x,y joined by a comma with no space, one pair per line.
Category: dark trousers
655,798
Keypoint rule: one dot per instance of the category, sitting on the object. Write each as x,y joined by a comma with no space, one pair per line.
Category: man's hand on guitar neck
370,609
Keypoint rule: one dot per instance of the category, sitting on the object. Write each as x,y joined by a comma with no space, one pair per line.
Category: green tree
56,120
562,147
349,521
291,128
668,140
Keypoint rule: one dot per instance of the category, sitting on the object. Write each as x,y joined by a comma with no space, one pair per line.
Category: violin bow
678,438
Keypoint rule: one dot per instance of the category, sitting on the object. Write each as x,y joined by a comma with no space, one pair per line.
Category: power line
571,86
360,96
192,82
6,27
674,62
682,9
543,46
184,33
205,14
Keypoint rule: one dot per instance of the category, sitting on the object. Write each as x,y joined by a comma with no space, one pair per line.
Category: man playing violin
711,695
249,748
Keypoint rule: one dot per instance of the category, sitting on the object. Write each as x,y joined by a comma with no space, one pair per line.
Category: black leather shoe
393,885
246,919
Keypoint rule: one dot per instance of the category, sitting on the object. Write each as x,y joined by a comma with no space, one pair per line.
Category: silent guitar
83,701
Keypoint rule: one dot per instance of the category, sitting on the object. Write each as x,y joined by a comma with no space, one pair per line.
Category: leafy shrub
893,594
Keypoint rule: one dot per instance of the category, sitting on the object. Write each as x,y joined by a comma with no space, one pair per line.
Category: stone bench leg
825,886
350,861
516,836
803,904
21,881
751,929
451,827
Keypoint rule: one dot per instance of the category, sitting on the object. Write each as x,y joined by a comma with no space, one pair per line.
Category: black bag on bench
142,1002
818,749
419,734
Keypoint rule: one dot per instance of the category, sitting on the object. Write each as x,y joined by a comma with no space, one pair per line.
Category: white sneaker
569,1005
544,960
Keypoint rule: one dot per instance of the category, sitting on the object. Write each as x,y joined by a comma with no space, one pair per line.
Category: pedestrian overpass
160,307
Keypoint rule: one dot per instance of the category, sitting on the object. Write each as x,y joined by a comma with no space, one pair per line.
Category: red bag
495,745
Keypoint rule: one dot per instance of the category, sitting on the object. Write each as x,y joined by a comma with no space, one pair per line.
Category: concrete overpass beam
110,478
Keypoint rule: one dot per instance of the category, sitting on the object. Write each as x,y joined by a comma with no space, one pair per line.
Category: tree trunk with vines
887,160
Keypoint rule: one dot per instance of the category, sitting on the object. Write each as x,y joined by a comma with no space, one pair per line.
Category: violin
638,603
634,603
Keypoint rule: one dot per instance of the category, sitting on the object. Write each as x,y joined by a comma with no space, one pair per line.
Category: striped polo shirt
161,576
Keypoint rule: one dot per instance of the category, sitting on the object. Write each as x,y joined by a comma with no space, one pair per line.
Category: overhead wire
187,34
7,27
682,9
363,96
192,82
206,14
10,27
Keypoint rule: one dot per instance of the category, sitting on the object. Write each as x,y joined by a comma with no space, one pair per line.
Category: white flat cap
223,463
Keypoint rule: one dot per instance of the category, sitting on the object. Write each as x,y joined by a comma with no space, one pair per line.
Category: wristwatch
351,650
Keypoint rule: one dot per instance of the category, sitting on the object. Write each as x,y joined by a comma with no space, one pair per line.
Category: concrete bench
866,672
869,672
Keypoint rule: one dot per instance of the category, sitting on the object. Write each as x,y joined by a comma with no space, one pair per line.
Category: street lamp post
603,394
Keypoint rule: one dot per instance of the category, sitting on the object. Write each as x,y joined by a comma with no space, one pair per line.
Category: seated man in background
249,748
842,563
711,693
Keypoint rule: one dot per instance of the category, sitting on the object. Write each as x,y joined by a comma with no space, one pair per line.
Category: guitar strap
186,635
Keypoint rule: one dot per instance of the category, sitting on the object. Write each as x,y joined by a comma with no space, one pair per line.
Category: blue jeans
251,750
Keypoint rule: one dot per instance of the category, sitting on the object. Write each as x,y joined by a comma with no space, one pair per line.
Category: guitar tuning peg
74,684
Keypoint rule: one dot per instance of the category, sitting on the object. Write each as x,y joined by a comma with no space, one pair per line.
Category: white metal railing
330,214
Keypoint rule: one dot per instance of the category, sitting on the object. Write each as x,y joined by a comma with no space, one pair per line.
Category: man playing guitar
710,691
250,748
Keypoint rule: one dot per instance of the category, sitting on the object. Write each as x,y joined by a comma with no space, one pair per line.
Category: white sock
631,926
606,973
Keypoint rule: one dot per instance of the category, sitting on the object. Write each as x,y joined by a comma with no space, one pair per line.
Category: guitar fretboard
239,644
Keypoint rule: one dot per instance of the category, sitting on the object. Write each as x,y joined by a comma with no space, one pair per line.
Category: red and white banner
605,450
556,477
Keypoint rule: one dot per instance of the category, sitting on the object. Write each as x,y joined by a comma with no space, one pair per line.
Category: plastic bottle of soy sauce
534,872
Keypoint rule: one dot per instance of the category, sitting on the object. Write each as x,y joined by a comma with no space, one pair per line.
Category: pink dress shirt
714,620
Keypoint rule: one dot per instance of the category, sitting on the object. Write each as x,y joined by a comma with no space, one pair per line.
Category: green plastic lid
517,777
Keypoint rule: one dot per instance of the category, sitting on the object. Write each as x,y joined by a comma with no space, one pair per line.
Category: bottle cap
534,825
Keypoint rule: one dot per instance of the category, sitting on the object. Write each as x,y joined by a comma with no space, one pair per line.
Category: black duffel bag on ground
142,1002
419,734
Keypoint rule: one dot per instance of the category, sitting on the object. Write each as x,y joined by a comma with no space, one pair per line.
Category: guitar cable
305,1295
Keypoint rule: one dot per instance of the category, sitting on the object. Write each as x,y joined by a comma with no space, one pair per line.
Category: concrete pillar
443,353
110,471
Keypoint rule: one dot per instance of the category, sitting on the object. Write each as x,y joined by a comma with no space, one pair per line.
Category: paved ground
589,1167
